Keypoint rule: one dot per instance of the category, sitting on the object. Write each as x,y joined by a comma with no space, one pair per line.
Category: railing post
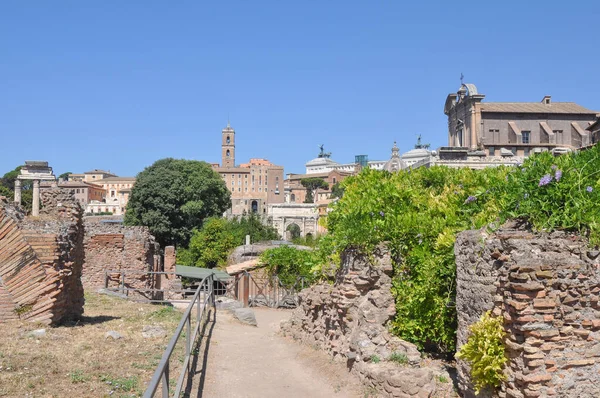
106,279
188,336
246,290
165,382
122,283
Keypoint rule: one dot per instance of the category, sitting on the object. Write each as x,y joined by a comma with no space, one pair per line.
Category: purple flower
470,199
558,175
589,189
545,180
382,214
553,167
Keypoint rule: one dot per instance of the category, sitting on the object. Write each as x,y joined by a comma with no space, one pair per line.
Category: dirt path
246,361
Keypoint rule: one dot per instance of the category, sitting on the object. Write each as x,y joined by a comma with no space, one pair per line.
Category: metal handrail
161,374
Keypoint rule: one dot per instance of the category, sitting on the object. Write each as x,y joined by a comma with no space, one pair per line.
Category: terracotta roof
243,266
114,179
535,107
96,171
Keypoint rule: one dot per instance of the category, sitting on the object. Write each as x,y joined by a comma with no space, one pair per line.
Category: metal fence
203,299
154,291
255,290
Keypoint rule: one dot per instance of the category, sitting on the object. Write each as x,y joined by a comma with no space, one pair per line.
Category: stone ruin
546,286
41,260
349,321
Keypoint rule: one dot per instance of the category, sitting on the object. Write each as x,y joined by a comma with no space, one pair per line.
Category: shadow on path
200,354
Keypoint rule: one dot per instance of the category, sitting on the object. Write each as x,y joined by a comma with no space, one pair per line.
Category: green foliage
78,376
419,212
375,359
5,191
7,186
337,190
569,202
399,358
311,184
210,245
65,176
485,352
174,196
290,263
126,384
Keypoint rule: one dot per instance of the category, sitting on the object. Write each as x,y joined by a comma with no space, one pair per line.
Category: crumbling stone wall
546,287
41,259
115,247
348,320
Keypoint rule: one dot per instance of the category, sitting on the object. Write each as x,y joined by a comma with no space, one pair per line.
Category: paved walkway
246,362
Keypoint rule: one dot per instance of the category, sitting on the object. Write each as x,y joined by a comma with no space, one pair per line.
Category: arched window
227,154
293,198
228,140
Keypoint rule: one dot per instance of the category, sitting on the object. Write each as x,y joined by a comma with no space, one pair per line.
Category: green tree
7,187
337,191
209,246
65,176
311,184
174,196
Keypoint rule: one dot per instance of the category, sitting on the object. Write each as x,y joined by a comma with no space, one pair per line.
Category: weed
442,379
121,383
78,376
399,358
23,309
375,359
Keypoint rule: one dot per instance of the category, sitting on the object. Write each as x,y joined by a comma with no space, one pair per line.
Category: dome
416,153
395,163
321,162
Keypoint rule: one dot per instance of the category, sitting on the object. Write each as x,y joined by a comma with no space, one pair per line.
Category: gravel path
246,361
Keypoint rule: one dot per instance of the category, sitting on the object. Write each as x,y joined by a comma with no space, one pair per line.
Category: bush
290,263
485,353
419,212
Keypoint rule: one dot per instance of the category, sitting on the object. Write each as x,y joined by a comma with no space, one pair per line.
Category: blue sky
119,84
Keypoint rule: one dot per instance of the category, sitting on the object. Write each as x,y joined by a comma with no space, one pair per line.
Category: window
239,189
526,152
334,180
227,153
526,136
228,140
492,151
77,190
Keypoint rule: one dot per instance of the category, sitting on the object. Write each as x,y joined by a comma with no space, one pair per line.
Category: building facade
324,164
295,192
253,185
519,127
106,192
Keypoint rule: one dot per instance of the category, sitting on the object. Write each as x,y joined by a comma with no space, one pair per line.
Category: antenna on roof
462,77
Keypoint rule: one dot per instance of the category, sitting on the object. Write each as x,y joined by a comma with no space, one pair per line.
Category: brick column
170,261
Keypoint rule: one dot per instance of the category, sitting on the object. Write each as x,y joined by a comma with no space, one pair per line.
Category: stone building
521,128
295,192
324,164
594,131
91,176
253,185
83,192
303,216
115,191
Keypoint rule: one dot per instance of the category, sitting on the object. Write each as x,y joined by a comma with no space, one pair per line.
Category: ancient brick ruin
123,249
348,320
546,286
41,260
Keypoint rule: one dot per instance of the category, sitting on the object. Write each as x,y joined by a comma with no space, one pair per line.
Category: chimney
547,100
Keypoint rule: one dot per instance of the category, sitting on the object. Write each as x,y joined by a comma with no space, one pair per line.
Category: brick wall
546,287
114,247
41,259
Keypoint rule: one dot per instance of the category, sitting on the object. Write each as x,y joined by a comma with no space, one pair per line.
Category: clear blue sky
119,84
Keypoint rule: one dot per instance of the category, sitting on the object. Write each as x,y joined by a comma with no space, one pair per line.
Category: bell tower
228,147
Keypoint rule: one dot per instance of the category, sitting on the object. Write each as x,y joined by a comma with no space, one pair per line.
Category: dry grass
78,360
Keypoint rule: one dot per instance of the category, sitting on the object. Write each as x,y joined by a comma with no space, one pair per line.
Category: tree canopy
7,188
210,245
173,196
312,183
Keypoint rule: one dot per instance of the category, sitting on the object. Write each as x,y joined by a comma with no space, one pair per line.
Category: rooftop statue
421,146
324,154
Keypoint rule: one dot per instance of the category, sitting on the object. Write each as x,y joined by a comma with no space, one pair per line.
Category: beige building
91,176
253,185
295,192
84,192
521,128
110,193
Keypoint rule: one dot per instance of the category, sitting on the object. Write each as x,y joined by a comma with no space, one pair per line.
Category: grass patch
398,358
375,359
78,358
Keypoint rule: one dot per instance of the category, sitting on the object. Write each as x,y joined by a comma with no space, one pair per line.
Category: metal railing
154,293
268,291
203,298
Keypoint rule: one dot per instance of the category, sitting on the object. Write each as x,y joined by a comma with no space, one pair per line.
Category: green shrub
290,263
375,359
419,212
484,351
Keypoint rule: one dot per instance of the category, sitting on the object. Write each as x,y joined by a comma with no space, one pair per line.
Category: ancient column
35,208
18,191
